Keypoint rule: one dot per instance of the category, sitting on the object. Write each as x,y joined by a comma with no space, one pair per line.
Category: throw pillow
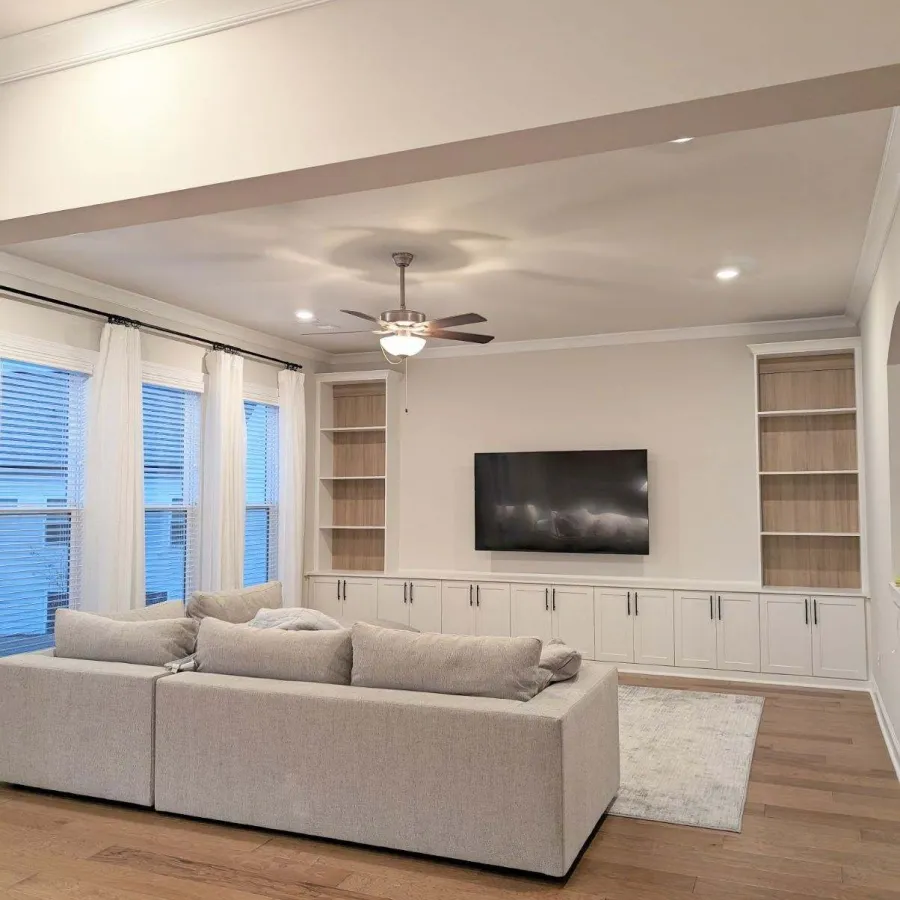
294,618
560,660
169,609
506,668
239,605
228,649
81,635
381,623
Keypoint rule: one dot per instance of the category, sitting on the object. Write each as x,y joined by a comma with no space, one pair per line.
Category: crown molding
881,218
30,276
139,25
694,333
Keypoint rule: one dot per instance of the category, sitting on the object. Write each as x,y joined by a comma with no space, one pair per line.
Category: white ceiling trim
881,217
695,333
30,276
139,25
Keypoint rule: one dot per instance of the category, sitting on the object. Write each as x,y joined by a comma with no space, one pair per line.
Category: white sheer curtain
114,477
223,474
291,483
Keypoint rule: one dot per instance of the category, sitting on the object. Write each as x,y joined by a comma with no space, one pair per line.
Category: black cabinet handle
806,610
629,603
345,589
635,603
478,595
815,611
410,593
553,596
547,599
404,592
711,607
720,607
339,589
470,594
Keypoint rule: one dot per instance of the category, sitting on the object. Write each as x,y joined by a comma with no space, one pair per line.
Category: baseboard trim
760,678
887,729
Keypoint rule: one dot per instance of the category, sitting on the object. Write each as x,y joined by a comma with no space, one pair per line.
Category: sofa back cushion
228,649
169,609
560,660
506,668
155,642
239,605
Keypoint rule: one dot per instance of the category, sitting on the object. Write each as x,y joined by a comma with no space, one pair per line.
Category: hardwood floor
822,821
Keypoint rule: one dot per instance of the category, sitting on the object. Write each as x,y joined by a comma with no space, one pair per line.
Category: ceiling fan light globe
402,345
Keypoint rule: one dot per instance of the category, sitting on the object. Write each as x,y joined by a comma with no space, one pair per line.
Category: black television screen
570,501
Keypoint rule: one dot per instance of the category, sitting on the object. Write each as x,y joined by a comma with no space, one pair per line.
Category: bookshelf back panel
811,562
810,503
357,551
808,443
358,405
807,382
357,502
358,453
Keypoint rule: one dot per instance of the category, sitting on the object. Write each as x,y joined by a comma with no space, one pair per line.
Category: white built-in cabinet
776,633
350,598
806,634
475,607
717,631
412,602
558,611
634,626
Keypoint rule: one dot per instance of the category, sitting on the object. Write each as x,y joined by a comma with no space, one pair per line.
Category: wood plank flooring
822,821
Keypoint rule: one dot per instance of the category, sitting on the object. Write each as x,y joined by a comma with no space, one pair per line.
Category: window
261,527
171,481
42,412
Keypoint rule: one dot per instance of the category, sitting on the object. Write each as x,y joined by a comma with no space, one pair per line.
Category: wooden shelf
352,478
815,472
840,410
352,527
840,534
351,429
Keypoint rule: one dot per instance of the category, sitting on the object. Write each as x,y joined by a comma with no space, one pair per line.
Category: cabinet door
573,617
695,630
613,625
492,609
839,637
393,600
457,607
530,615
784,634
360,598
654,628
326,596
425,605
737,618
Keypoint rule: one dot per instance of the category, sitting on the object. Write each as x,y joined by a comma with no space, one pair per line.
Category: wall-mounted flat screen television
568,501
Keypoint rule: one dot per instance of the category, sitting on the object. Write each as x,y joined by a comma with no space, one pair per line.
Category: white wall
876,325
689,403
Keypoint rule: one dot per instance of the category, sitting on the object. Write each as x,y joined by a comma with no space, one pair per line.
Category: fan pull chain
406,387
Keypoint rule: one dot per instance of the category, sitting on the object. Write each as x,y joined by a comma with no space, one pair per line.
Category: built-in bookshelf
809,458
356,471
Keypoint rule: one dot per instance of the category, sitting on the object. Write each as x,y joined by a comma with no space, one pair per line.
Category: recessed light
681,140
304,315
728,273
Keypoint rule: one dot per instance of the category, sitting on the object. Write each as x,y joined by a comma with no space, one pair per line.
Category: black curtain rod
122,320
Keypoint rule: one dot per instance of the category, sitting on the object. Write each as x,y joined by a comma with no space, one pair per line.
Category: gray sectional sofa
501,782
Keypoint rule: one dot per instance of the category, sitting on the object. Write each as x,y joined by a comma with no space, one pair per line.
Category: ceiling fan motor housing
403,317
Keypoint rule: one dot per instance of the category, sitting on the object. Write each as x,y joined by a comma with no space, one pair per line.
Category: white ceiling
24,15
623,241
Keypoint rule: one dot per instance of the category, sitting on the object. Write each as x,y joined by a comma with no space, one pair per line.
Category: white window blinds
261,526
42,417
171,483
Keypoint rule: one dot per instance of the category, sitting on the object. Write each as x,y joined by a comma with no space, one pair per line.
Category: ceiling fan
404,331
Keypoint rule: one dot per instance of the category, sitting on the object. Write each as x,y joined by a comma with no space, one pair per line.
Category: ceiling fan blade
359,315
466,336
451,321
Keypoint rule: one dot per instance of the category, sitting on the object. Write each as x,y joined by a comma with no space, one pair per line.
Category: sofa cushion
81,635
239,605
228,649
169,609
560,660
506,668
381,623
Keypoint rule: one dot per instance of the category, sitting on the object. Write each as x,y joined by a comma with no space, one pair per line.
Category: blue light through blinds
171,486
261,526
42,413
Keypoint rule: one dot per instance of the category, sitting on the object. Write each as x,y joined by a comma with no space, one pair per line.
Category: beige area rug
685,756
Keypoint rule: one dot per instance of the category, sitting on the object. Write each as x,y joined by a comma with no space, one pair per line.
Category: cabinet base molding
824,684
887,729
